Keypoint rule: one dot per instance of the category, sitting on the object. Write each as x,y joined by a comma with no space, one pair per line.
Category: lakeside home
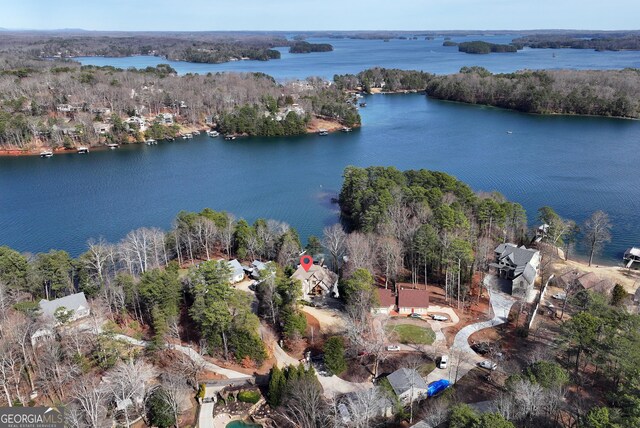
519,265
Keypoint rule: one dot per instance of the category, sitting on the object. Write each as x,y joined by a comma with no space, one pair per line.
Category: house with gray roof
518,264
408,385
237,271
76,304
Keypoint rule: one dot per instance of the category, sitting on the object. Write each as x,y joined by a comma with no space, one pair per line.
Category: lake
575,164
353,56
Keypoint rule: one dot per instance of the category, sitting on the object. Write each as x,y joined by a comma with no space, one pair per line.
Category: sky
298,15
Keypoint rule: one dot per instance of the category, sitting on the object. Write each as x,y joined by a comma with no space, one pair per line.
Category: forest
98,100
306,47
598,41
385,79
601,93
479,47
193,47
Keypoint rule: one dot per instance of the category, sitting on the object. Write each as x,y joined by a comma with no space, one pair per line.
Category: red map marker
306,262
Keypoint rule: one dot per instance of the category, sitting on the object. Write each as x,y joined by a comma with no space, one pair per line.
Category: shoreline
317,123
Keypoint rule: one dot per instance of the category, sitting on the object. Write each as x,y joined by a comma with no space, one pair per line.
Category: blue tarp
434,388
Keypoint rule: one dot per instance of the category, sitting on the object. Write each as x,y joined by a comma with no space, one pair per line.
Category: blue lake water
575,164
352,56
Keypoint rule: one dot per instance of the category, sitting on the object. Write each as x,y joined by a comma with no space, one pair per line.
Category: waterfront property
75,305
519,265
577,281
317,281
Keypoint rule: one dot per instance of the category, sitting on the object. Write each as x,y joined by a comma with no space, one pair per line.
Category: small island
300,47
480,47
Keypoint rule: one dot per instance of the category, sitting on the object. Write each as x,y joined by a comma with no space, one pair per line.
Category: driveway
462,358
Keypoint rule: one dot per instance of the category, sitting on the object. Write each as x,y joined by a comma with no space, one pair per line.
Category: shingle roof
411,298
520,256
73,302
236,268
385,297
402,379
324,277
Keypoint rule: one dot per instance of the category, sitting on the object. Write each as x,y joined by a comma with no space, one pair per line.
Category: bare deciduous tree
334,240
597,231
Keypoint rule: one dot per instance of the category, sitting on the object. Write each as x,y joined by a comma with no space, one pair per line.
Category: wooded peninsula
65,105
614,93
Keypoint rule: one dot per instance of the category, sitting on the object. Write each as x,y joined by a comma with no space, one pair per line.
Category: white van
443,361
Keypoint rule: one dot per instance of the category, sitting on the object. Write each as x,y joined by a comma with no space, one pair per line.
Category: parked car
443,362
393,348
560,296
488,364
439,318
414,315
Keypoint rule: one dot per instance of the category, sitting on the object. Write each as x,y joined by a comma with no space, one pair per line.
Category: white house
520,265
75,304
237,272
408,385
317,281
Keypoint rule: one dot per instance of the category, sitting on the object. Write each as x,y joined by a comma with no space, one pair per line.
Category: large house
408,385
386,302
317,281
518,264
75,304
413,301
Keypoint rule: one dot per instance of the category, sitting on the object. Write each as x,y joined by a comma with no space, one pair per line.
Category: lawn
412,334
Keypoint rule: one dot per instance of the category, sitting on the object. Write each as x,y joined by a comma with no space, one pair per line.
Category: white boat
46,154
509,132
83,150
323,132
213,134
196,132
113,145
346,129
151,141
187,136
229,137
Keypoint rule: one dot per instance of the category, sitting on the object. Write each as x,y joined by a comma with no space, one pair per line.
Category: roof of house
587,281
385,297
322,276
412,298
519,256
236,268
402,379
72,301
258,264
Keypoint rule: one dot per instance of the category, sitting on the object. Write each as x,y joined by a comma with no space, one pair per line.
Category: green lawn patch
249,397
412,334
